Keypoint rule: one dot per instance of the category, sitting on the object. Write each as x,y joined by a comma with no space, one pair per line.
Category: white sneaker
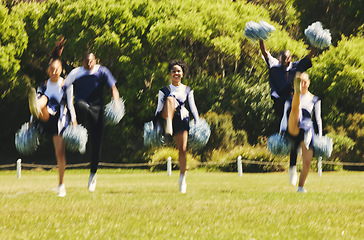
92,182
182,183
301,190
33,105
292,172
61,190
169,128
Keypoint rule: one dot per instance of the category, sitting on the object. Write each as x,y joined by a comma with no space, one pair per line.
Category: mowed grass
143,205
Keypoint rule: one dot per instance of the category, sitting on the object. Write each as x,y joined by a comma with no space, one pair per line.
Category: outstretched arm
312,52
263,49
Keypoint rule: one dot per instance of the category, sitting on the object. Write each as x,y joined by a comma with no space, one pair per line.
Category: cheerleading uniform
87,88
281,80
56,105
181,94
309,105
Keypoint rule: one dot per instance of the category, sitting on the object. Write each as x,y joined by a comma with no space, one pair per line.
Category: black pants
278,106
92,117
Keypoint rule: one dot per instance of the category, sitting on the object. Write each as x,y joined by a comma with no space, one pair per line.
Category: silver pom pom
258,31
279,144
153,136
318,37
322,146
114,113
199,134
27,139
75,138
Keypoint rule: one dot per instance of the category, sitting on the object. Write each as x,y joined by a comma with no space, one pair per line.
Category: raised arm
312,52
263,49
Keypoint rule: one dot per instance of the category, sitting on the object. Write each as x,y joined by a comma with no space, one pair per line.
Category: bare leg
168,113
60,151
306,158
42,103
293,118
181,141
169,108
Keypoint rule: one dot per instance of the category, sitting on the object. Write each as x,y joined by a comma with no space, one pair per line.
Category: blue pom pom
27,141
322,146
113,114
256,31
153,136
318,37
75,138
199,134
279,144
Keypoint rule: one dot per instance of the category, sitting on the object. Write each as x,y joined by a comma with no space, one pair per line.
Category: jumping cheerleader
297,122
172,112
48,108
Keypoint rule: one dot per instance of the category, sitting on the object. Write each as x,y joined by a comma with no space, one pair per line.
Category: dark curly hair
180,63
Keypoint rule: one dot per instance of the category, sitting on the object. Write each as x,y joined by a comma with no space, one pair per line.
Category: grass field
143,205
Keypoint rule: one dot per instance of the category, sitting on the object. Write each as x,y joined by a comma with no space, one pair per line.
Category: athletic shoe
301,190
297,83
33,105
92,182
182,183
292,172
169,128
61,190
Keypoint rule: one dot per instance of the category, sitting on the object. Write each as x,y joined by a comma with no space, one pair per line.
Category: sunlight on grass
143,205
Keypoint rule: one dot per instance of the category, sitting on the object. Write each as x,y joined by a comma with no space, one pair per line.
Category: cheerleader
87,85
49,111
171,111
298,125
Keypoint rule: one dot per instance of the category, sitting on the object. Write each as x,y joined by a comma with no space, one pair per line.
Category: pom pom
27,141
153,136
75,138
318,37
258,31
279,144
322,146
113,114
199,134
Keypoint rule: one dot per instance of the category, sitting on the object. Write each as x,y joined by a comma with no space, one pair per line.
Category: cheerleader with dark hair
171,111
86,84
48,108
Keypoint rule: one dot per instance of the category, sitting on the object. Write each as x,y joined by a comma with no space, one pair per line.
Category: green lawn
143,205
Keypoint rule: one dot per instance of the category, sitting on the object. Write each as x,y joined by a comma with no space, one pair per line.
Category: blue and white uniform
181,94
281,79
309,105
87,87
56,105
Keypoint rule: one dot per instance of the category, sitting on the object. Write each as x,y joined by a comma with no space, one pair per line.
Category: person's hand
74,123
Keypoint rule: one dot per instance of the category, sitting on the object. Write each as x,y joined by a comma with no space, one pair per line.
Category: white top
179,92
54,89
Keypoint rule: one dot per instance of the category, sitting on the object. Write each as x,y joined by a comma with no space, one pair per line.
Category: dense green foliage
136,39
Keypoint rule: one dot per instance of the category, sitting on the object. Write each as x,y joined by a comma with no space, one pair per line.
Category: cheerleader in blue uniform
281,74
297,122
87,85
49,110
171,111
